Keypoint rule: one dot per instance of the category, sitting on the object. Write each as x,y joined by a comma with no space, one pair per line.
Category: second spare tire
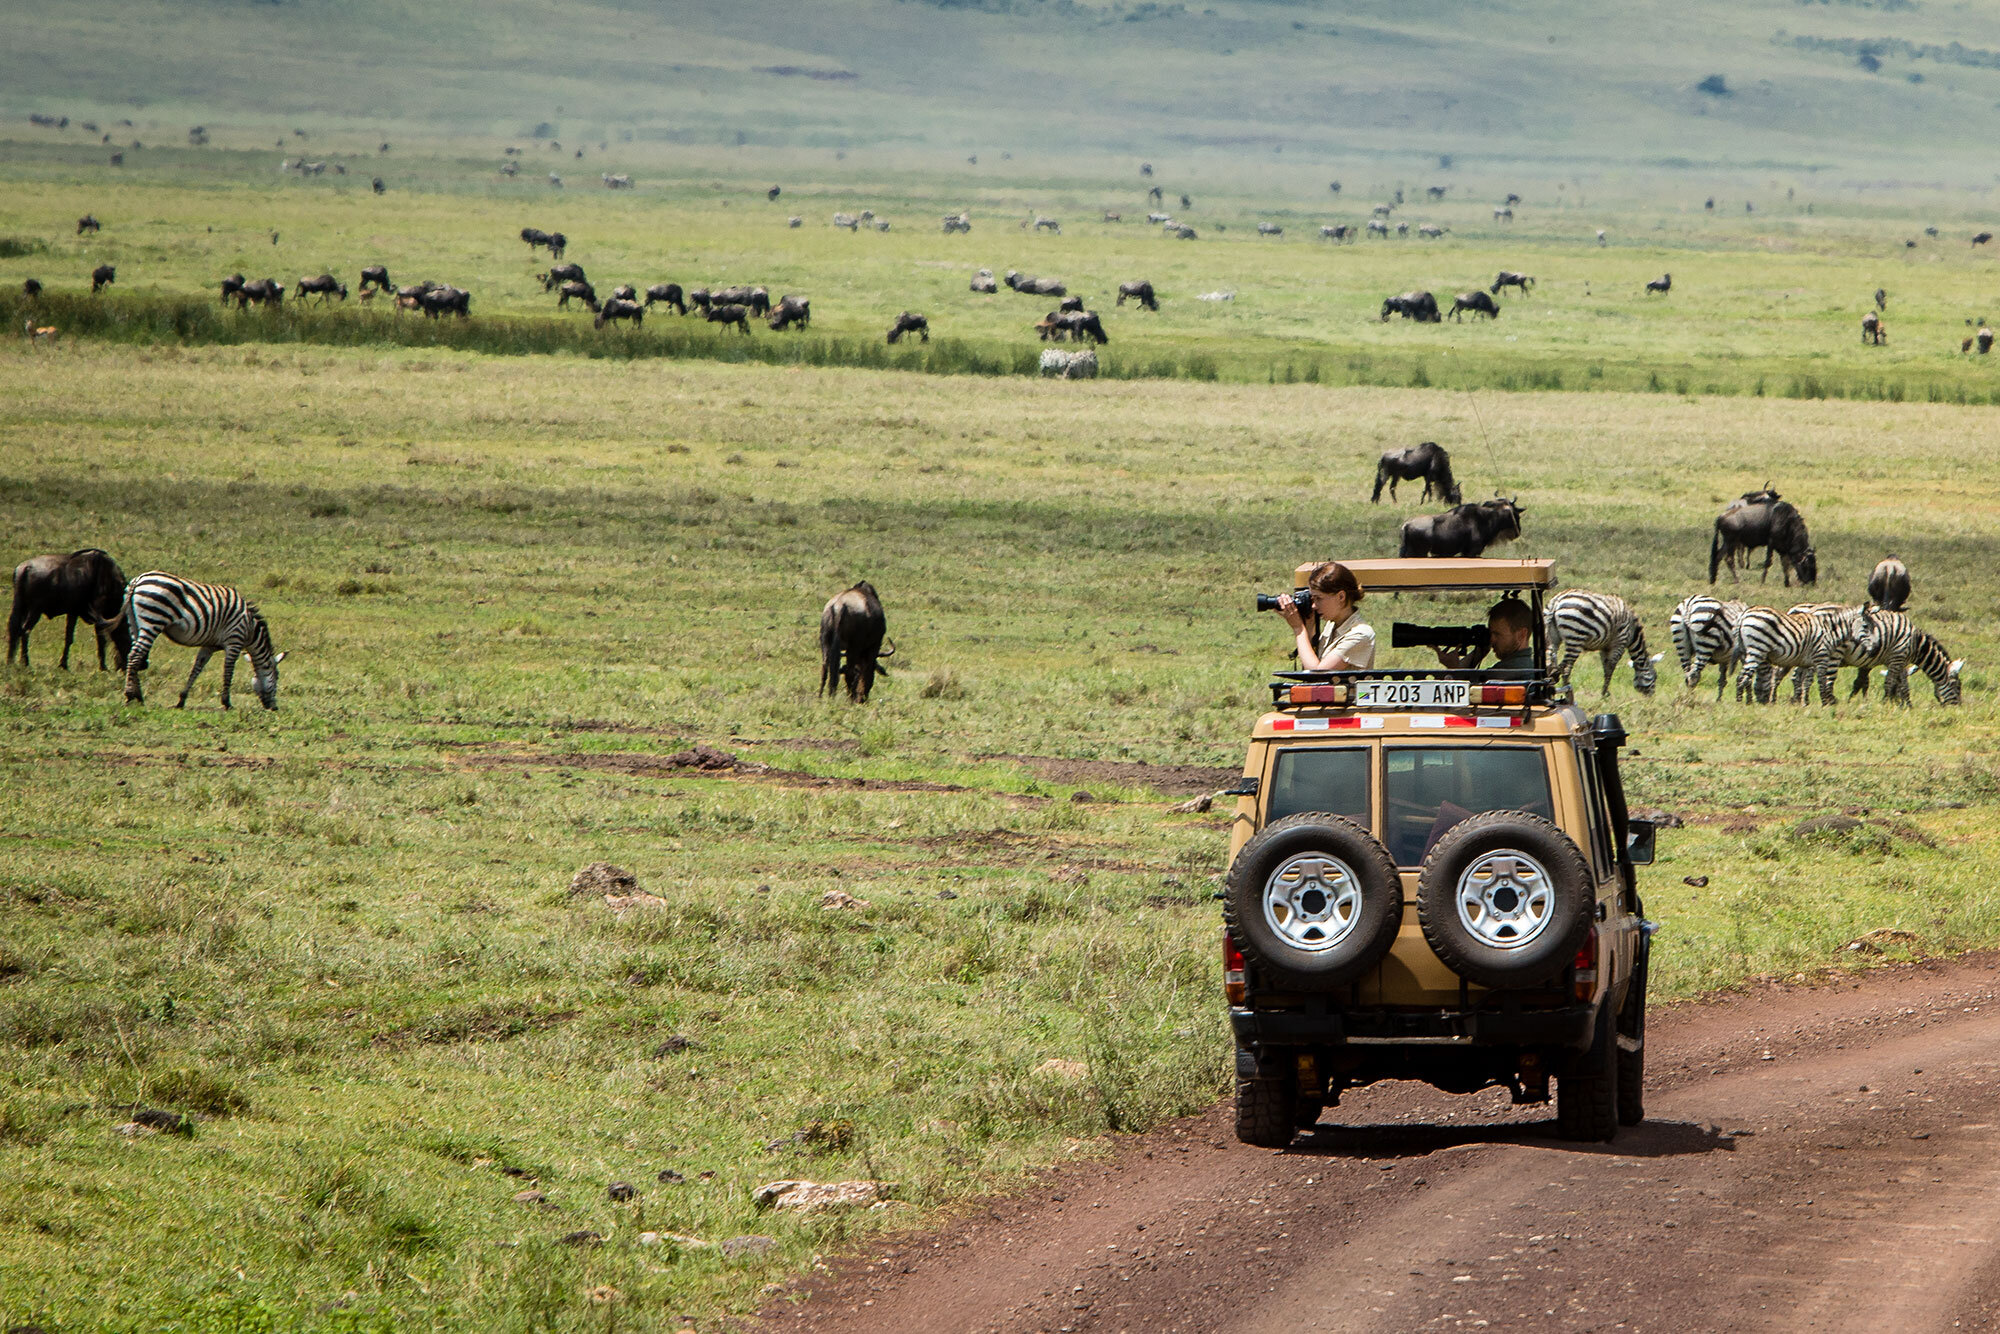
1505,899
1314,901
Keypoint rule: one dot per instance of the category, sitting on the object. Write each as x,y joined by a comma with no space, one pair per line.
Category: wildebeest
1183,232
1075,324
1464,530
378,186
1269,229
1377,227
231,285
1402,229
620,308
1772,524
1662,284
1430,461
982,281
1069,303
727,315
847,220
562,273
1889,585
577,291
958,222
31,288
1340,232
102,277
757,299
1985,340
625,292
1512,199
1020,282
670,293
1186,202
1509,278
535,237
446,300
1873,330
773,192
852,630
88,223
86,584
1982,238
324,286
375,276
411,297
1435,192
1431,231
1419,306
789,311
699,298
1478,301
1140,291
908,322
260,292
1882,298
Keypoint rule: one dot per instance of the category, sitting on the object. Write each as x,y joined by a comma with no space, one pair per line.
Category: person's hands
1288,608
1449,658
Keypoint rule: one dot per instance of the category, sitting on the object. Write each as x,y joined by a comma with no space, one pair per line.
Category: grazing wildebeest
1140,291
560,274
557,243
1509,278
1402,229
1512,199
1772,524
1882,298
1873,330
510,169
910,323
1982,238
31,288
851,633
411,297
789,311
1478,302
102,277
982,281
86,584
376,277
1419,306
727,315
773,192
699,298
1186,202
535,237
380,188
260,292
1036,286
757,299
446,300
962,222
231,285
1078,324
1069,303
670,293
1889,585
1430,461
1156,196
323,287
1269,229
88,223
625,292
1464,530
1436,192
1377,227
583,292
1662,284
620,308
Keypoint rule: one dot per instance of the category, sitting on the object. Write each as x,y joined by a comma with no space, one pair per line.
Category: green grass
339,934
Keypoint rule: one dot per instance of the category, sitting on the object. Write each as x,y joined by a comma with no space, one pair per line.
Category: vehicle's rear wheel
1313,901
1267,1108
1505,899
1587,1088
1632,1050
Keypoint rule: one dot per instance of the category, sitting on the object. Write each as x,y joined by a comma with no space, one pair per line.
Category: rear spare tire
1505,899
1313,901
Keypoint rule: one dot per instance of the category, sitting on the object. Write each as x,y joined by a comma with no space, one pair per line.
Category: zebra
1704,630
1928,656
1890,649
205,617
1774,642
1579,621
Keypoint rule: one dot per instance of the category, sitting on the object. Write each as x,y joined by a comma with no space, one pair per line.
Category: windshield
1334,780
1429,789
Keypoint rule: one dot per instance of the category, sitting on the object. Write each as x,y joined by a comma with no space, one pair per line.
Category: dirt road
1813,1159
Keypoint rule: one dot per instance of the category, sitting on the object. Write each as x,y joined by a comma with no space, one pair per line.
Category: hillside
1858,85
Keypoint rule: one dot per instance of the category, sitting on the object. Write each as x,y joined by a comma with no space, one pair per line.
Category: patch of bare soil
700,762
1174,780
1814,1158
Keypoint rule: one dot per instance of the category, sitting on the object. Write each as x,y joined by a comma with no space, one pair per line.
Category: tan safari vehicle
1431,877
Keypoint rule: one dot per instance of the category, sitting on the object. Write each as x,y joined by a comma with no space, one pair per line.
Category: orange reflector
1319,694
1499,694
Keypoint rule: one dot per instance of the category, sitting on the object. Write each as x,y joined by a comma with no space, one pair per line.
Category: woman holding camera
1346,642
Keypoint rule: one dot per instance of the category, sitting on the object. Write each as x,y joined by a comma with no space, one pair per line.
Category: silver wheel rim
1505,900
1312,902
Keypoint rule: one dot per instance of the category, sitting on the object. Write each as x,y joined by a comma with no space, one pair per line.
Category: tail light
1233,985
1499,694
1337,693
1585,967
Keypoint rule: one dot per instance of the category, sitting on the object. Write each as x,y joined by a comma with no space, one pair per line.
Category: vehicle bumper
1565,1026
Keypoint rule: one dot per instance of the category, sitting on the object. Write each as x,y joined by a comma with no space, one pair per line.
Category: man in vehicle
1510,626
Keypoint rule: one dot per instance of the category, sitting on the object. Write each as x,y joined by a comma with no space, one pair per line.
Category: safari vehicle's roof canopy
1443,574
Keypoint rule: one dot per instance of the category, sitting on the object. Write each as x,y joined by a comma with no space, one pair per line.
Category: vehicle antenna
1491,455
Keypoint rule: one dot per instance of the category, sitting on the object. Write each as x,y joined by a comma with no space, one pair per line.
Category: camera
1301,598
1472,639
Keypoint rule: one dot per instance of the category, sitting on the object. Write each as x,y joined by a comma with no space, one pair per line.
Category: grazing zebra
1890,648
1775,642
205,617
1704,630
1928,656
1581,621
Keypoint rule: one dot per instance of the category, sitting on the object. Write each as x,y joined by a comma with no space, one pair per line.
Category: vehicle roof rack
1539,689
1443,574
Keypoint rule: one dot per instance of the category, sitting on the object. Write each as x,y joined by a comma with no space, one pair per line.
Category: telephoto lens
1270,601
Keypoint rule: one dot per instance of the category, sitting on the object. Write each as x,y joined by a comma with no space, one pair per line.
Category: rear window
1426,790
1334,780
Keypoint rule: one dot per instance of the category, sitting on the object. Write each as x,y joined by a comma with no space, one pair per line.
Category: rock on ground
603,878
814,1196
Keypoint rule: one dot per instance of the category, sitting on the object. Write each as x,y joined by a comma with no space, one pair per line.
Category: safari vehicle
1431,878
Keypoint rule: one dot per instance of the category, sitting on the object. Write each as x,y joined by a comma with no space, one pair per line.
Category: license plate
1412,694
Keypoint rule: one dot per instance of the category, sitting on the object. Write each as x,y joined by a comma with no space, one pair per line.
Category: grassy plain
512,589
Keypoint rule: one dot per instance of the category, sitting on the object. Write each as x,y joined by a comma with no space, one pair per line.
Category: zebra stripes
206,617
1704,630
1582,621
1777,642
1890,649
1928,656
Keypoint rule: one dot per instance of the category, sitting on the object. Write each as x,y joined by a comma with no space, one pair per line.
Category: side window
1601,853
1333,779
